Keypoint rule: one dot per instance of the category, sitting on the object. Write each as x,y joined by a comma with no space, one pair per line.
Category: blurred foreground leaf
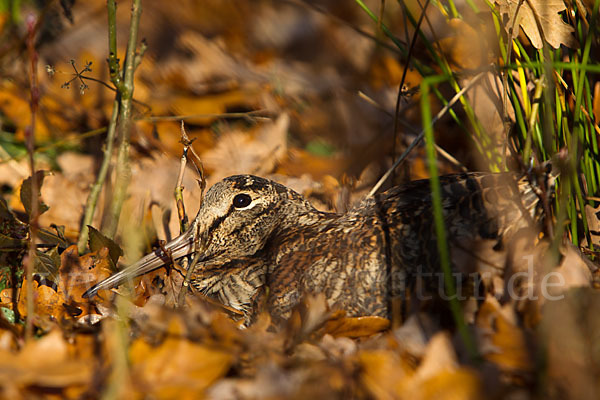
27,192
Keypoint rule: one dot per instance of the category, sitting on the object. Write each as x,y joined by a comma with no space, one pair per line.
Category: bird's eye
242,200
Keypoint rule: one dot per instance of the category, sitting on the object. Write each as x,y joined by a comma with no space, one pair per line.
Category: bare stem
113,61
124,83
400,95
183,219
186,281
92,200
30,142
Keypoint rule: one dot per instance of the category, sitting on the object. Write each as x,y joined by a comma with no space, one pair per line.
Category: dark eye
242,200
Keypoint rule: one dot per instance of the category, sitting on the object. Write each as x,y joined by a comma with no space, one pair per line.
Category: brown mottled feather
359,259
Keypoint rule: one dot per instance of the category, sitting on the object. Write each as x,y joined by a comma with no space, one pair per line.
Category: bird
260,244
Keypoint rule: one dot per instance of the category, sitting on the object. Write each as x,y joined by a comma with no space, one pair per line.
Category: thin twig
402,80
252,115
334,18
412,130
200,168
187,279
183,219
32,26
418,139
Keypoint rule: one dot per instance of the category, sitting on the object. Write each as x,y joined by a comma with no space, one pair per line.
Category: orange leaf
177,368
504,342
356,327
77,274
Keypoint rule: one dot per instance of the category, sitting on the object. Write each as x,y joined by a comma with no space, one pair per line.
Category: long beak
179,247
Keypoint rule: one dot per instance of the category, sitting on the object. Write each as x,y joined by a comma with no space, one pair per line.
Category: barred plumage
359,260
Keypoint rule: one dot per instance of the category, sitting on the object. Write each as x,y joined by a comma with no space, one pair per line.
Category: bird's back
365,257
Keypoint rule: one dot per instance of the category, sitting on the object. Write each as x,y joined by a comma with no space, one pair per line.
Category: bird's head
236,219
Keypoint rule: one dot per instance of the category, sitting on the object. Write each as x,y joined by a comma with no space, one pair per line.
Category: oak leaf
540,19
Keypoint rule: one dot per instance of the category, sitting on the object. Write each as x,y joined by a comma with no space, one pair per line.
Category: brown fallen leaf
439,376
44,363
383,372
47,304
6,297
248,152
78,274
596,102
464,47
593,214
570,330
356,327
177,368
53,303
439,356
301,162
459,384
15,106
75,177
530,13
501,340
414,334
486,100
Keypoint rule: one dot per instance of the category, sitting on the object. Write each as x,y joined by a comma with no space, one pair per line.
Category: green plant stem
119,333
92,200
440,229
113,61
532,119
125,95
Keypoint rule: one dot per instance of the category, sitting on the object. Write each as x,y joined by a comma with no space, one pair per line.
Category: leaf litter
146,347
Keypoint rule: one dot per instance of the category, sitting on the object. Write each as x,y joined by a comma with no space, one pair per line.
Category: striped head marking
235,220
238,215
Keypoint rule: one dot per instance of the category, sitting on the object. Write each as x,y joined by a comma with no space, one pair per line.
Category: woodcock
253,234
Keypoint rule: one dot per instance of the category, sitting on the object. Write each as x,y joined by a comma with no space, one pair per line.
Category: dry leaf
6,296
78,274
44,362
502,342
383,372
177,368
570,330
460,384
553,29
486,99
439,375
465,47
47,304
414,334
572,272
356,327
66,192
301,162
439,356
242,152
593,214
596,102
217,104
15,105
